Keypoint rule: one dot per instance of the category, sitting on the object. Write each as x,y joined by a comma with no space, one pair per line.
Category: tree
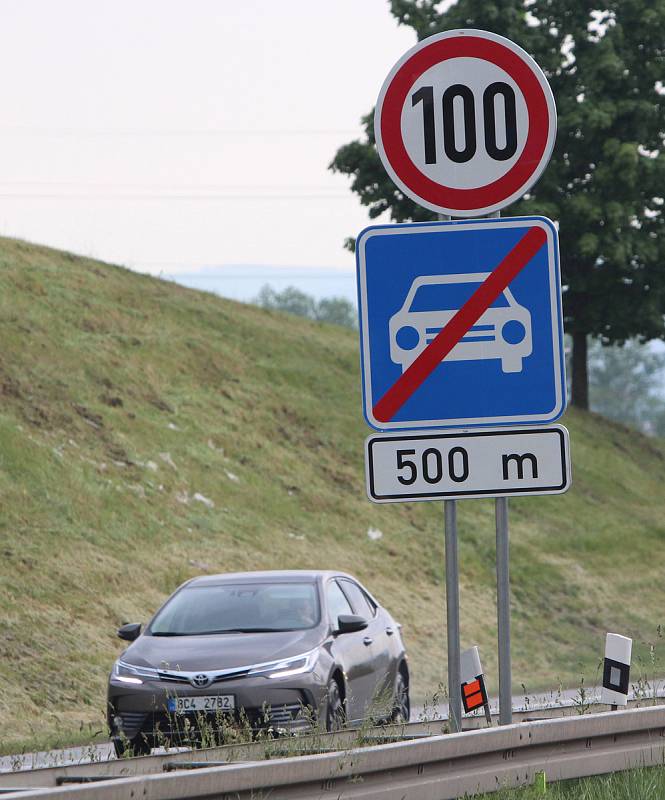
604,184
291,300
626,385
335,310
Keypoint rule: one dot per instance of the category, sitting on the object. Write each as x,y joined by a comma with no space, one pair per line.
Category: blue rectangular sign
486,294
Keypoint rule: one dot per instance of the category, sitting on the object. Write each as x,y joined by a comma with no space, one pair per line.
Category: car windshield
448,297
238,608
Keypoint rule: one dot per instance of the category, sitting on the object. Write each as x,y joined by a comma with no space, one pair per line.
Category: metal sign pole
503,612
452,606
472,189
503,608
452,615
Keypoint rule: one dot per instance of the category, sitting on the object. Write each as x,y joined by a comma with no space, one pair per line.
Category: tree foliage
626,385
606,180
335,310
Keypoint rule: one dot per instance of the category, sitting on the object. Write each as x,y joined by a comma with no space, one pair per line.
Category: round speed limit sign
465,122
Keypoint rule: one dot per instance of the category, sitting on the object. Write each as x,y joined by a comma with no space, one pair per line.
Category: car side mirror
350,623
130,631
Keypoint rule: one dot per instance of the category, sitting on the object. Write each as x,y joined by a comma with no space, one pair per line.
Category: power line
168,186
240,271
159,191
93,132
155,196
269,276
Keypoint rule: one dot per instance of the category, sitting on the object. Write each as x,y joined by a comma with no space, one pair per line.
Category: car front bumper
280,705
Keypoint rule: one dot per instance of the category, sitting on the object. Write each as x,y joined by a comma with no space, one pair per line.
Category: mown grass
149,433
636,784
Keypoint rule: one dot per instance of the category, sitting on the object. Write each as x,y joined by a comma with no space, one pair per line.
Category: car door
383,663
353,652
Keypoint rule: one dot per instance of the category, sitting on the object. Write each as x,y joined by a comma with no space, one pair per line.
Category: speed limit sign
465,122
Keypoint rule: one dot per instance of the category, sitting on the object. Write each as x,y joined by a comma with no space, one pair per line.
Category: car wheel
401,704
127,748
335,713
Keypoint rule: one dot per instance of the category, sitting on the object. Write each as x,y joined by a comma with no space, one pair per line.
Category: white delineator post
616,670
474,692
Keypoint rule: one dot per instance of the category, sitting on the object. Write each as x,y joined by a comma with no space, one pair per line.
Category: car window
337,603
448,297
359,600
210,608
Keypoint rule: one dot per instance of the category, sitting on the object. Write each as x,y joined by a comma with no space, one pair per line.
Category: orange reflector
473,695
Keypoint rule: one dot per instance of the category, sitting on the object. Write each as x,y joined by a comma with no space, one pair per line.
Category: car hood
219,651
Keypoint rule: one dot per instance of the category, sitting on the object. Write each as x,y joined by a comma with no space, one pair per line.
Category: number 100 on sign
465,122
458,113
454,465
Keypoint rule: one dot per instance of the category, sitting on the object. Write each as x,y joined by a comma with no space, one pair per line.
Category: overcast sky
171,134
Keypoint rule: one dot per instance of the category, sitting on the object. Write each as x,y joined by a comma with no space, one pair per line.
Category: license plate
206,703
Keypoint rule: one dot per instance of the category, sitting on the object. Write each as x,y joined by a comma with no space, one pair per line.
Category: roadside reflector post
616,670
452,616
474,692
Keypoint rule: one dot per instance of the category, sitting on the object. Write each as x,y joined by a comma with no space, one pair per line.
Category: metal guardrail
25,776
432,768
93,768
268,749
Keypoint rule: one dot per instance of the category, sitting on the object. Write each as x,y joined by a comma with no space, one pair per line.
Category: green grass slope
149,433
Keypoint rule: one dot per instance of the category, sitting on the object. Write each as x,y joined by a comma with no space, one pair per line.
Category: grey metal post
503,606
452,606
503,611
452,615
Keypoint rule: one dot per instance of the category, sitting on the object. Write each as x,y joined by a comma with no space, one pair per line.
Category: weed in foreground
582,700
647,686
645,783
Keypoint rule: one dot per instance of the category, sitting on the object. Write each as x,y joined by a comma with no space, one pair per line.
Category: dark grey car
276,650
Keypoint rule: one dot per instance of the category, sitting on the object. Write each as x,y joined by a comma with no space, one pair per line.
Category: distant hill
149,433
244,281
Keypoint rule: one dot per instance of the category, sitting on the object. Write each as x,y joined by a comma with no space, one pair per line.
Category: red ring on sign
391,127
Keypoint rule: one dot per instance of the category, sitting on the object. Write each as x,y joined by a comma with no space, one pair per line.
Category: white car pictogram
502,332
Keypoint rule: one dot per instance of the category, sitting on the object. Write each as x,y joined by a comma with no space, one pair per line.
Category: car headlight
297,665
126,673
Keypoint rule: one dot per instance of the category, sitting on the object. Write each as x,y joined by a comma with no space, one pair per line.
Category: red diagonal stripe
464,319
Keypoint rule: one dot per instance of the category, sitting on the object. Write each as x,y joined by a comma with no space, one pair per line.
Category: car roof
276,576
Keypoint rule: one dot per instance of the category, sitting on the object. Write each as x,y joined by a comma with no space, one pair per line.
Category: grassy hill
149,433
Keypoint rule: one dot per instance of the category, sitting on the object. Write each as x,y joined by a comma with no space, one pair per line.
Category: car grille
132,722
174,677
186,727
284,714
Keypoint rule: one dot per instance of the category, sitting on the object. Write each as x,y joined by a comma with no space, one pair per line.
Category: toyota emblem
200,680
